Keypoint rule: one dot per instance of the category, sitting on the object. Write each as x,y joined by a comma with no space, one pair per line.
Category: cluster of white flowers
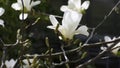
2,10
71,19
28,4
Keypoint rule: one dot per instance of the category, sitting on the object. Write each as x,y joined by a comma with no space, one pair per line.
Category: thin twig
22,11
2,41
3,57
14,44
107,15
50,14
97,57
65,56
73,50
105,18
100,43
50,52
91,35
62,62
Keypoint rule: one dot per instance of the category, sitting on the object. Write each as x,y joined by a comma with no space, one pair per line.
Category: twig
50,14
3,57
91,35
2,41
108,15
97,57
65,56
73,50
100,43
50,52
105,18
62,62
22,11
16,43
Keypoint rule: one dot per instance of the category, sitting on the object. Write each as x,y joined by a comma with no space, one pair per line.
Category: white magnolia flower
2,11
69,25
107,39
28,4
11,63
75,5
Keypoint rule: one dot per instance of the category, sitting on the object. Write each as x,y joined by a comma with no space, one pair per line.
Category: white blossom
28,4
75,5
69,25
11,63
2,11
107,39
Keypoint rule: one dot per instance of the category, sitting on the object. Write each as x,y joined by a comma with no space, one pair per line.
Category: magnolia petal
114,38
27,62
117,45
67,21
70,21
66,33
66,18
77,3
2,11
107,39
76,17
71,18
2,22
20,2
53,20
74,4
27,4
16,6
35,3
71,4
64,8
85,5
82,30
116,49
10,64
25,15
